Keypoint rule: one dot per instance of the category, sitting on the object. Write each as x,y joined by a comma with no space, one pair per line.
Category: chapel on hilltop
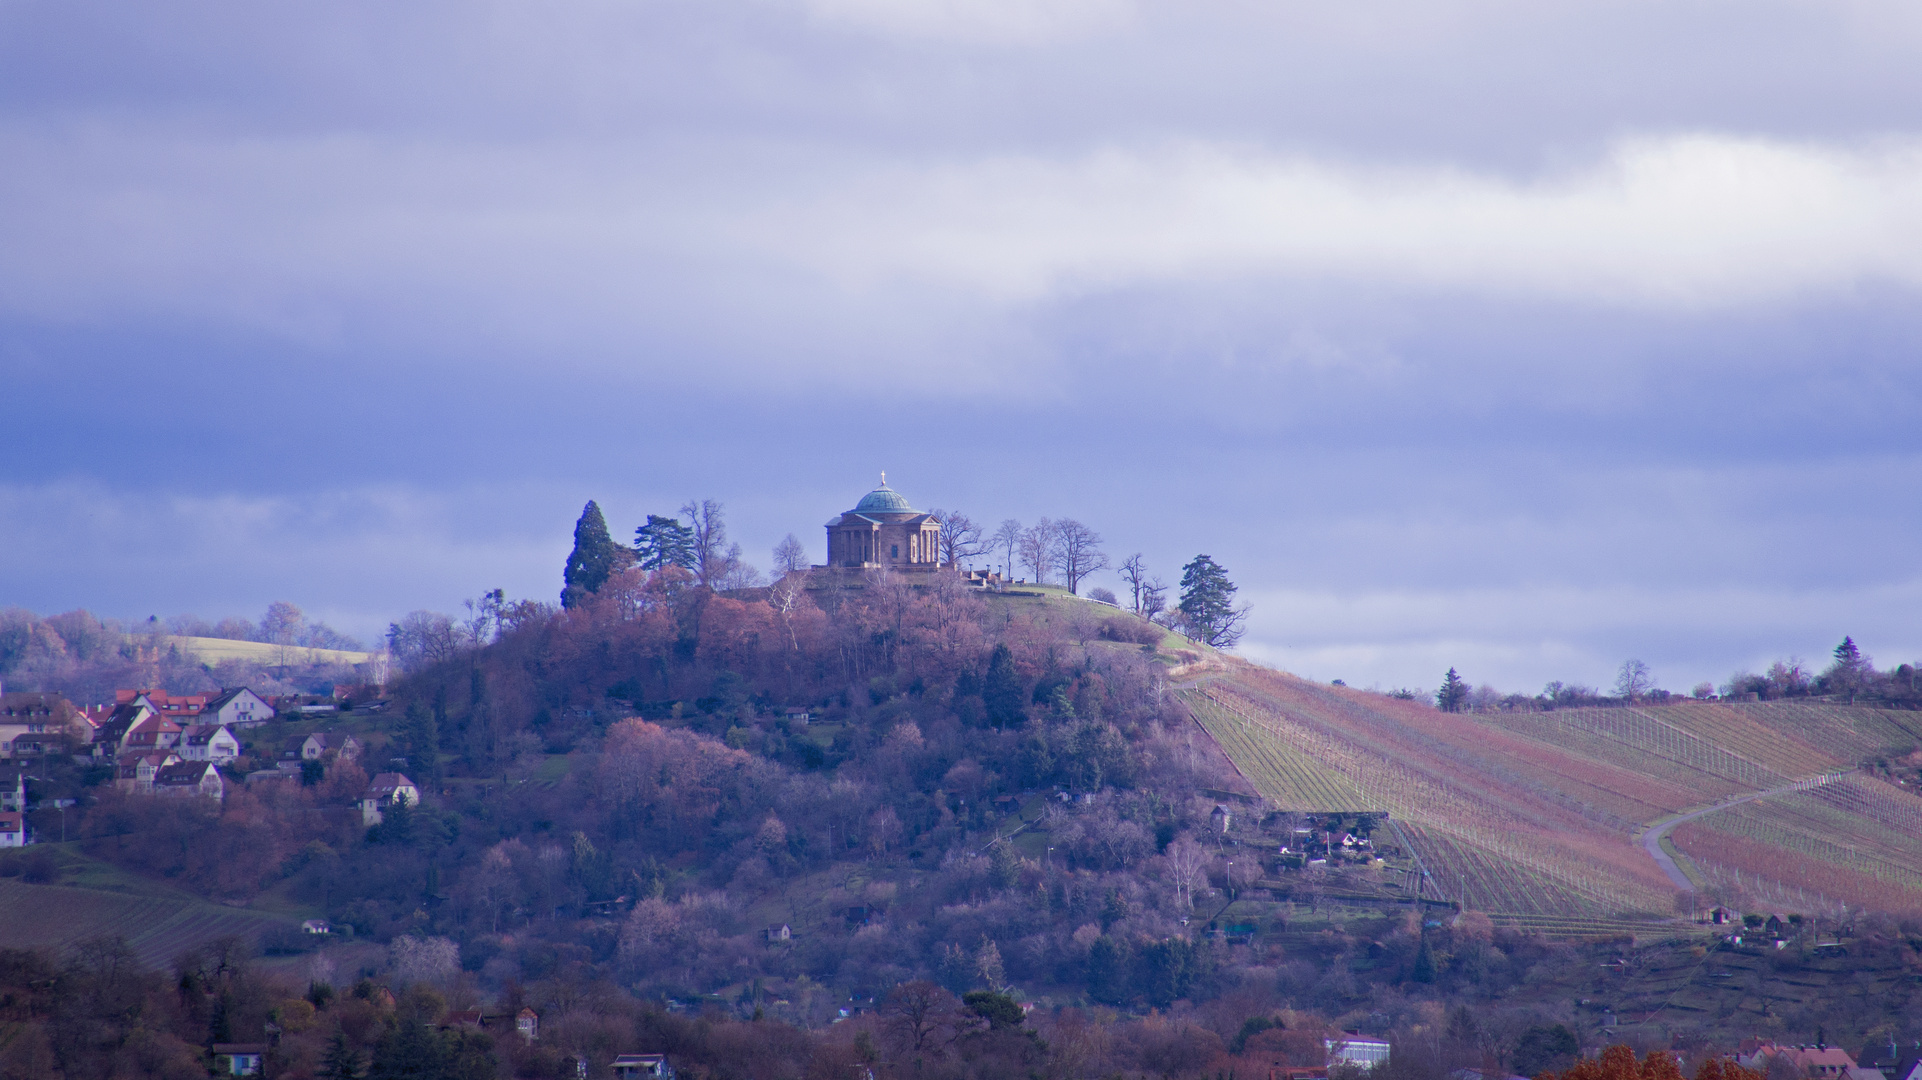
884,531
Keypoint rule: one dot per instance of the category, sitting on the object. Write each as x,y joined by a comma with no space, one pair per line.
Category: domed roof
884,500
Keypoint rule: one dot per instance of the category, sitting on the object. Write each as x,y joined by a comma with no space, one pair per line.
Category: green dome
884,500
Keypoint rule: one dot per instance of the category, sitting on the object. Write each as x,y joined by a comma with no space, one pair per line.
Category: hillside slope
1538,814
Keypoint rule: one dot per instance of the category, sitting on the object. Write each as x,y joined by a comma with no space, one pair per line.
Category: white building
1355,1050
208,742
239,707
387,789
13,829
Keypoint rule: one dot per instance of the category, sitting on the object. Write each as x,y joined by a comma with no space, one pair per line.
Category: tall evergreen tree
1208,611
664,541
1849,672
341,1062
592,559
1001,691
1453,693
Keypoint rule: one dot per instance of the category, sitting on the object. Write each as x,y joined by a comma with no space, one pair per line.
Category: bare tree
1186,861
789,555
1154,601
921,1015
1007,538
1077,552
1134,571
1633,680
734,572
1037,546
710,539
960,537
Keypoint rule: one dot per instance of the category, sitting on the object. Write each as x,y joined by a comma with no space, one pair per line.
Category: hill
1544,814
212,650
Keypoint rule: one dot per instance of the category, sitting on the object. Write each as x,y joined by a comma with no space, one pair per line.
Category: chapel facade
884,531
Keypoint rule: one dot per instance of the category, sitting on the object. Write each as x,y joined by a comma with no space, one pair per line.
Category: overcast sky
1518,337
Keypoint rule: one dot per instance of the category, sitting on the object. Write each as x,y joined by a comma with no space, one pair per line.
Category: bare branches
961,538
1036,549
1006,539
1077,552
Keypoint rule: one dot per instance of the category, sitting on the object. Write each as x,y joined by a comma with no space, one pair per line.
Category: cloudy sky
1522,338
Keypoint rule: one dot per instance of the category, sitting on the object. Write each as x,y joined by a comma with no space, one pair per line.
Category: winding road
1652,839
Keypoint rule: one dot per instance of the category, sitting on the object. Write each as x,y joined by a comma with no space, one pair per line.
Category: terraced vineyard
1278,759
1537,815
1855,838
157,928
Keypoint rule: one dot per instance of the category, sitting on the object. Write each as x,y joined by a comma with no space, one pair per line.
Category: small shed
779,933
1220,818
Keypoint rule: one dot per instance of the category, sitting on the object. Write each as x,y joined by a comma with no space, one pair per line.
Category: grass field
1537,815
214,650
158,926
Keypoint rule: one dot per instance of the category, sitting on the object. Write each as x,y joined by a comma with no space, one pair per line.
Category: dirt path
1652,839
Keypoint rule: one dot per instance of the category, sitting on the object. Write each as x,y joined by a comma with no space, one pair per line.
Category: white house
317,746
384,790
239,707
1355,1050
209,742
238,1059
13,788
13,829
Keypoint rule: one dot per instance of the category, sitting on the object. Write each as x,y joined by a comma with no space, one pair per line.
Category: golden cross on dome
884,478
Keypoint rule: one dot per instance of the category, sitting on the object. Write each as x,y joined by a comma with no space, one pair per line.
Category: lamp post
1231,881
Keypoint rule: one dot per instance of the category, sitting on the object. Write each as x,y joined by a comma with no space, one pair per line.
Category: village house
156,732
779,933
386,789
191,778
238,707
111,726
316,926
29,721
238,1059
208,742
13,788
13,829
137,772
1818,1062
180,708
320,746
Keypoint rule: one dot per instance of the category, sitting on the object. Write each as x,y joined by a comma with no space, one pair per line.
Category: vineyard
1537,815
157,928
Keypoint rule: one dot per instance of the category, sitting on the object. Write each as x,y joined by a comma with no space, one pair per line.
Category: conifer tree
341,1061
1208,611
664,541
1001,691
592,559
1453,693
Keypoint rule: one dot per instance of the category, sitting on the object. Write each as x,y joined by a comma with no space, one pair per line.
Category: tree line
1851,677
